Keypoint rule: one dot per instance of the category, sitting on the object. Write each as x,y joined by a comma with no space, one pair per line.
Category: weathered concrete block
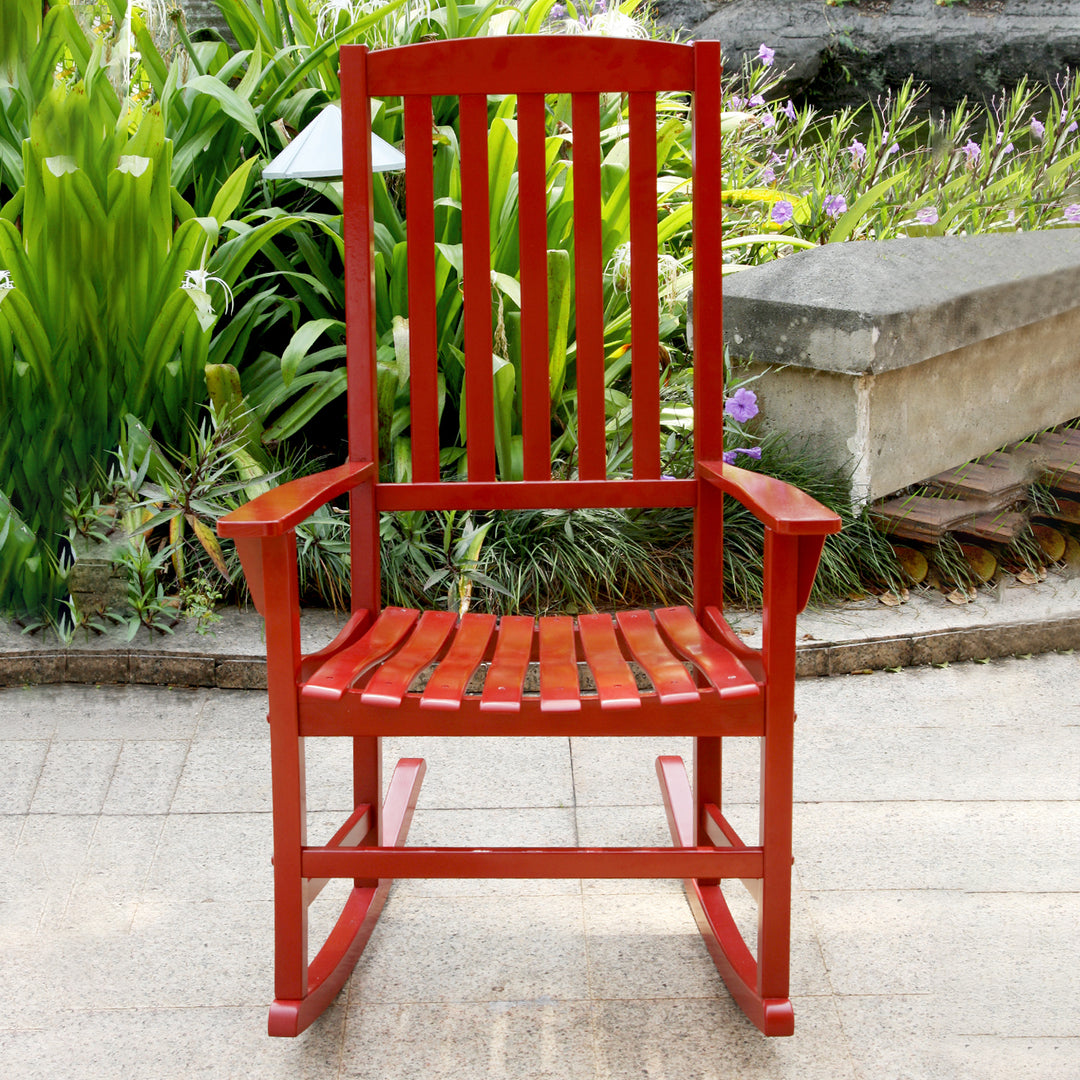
904,358
841,55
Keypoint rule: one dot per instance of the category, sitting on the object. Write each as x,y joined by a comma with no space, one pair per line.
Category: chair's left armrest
282,508
782,507
785,511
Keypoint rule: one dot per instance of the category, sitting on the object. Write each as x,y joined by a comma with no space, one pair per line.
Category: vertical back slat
423,329
644,292
708,257
476,262
532,243
361,393
589,298
359,229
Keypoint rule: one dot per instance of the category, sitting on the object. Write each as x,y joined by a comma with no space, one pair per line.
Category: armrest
281,509
783,508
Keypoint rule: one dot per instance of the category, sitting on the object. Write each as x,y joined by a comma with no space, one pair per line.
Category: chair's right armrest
282,508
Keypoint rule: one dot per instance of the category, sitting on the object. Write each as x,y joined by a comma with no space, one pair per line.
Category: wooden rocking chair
705,682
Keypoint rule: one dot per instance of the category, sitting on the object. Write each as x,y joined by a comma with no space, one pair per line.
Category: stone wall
202,13
843,55
900,359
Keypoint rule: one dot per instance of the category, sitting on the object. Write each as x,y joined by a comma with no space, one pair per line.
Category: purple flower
766,55
757,99
558,11
971,149
834,205
601,6
789,110
1072,213
742,405
1071,128
1008,148
1038,128
782,212
857,150
749,451
768,174
767,119
927,215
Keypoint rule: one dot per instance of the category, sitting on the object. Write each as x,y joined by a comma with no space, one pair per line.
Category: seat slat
423,331
446,687
506,676
673,685
389,683
725,671
533,244
334,677
615,682
559,690
589,273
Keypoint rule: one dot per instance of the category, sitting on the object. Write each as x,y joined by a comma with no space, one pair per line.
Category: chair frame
315,694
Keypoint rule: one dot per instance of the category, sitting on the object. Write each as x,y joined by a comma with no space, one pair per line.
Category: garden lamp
315,153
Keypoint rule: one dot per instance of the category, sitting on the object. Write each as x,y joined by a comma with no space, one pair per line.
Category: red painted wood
401,797
731,690
336,959
359,232
283,508
775,829
423,328
506,675
391,679
784,509
559,691
356,827
589,287
533,243
678,801
615,683
537,64
684,635
446,687
287,766
673,685
541,495
708,256
644,291
358,624
532,862
334,677
522,716
476,262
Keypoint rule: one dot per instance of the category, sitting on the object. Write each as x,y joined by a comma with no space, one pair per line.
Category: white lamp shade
315,153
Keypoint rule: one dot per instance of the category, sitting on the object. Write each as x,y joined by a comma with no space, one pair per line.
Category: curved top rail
514,65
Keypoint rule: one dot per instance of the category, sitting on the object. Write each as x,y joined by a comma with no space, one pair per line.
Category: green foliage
893,170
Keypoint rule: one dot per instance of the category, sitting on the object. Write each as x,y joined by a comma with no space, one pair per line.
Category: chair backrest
530,67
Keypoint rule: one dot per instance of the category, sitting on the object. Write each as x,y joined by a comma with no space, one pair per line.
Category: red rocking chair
705,682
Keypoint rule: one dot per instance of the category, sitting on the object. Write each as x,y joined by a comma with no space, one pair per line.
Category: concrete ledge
900,359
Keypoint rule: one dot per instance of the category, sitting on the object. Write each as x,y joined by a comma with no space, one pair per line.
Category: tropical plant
110,287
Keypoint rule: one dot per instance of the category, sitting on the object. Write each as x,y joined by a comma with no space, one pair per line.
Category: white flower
6,284
195,282
607,24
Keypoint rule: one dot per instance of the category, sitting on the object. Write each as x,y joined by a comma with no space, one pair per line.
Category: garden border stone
837,640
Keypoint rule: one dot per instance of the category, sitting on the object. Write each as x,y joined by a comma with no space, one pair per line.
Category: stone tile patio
936,912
